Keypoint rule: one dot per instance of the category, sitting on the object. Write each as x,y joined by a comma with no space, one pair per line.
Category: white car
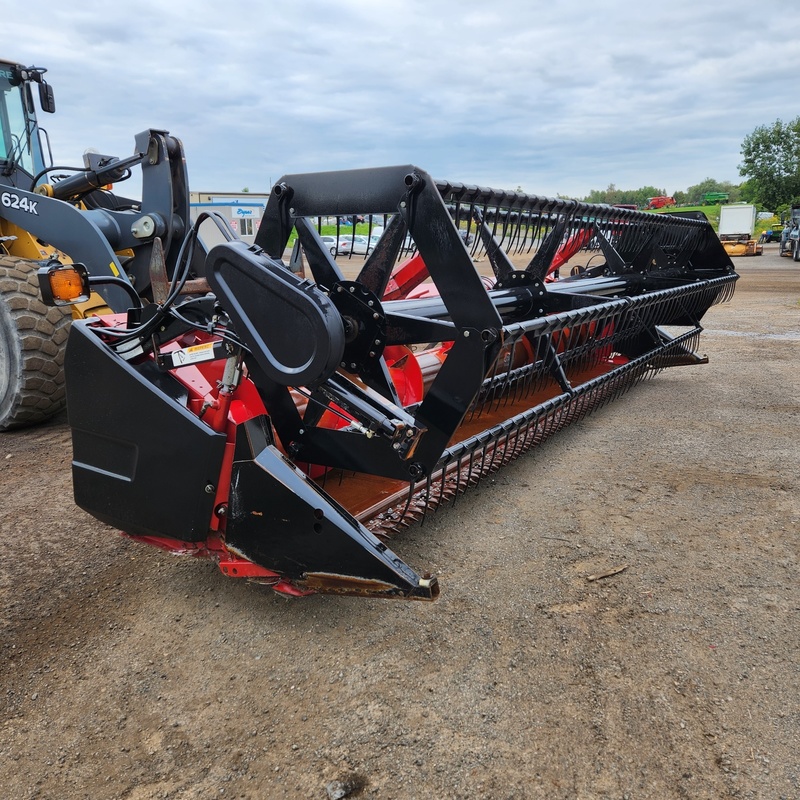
357,245
331,244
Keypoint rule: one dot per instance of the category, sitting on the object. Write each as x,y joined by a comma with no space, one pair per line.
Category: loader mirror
47,100
64,284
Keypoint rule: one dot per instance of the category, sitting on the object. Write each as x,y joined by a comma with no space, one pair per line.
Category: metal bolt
210,488
378,342
376,315
402,204
466,334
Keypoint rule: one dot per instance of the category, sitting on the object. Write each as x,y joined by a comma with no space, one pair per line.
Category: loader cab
20,147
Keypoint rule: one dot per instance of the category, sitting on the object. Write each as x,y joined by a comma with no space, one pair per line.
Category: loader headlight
64,284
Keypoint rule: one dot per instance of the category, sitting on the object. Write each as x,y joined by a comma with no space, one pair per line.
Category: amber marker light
64,284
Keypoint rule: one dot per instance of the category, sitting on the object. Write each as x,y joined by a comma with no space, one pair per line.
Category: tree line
770,166
693,196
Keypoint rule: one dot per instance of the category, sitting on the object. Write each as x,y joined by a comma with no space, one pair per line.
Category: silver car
357,245
331,244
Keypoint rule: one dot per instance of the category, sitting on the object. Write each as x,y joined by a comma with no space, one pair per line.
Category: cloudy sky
557,98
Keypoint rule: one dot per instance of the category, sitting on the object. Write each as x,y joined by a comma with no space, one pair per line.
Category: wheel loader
286,416
76,219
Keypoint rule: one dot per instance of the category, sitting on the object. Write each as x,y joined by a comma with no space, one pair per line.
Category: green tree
614,196
771,162
695,194
747,191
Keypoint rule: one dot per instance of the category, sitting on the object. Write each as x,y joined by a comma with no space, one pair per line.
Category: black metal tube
90,179
106,280
518,301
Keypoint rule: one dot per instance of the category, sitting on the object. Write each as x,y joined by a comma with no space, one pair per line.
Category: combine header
286,426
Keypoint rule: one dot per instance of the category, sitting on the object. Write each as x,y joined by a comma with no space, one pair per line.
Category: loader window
19,142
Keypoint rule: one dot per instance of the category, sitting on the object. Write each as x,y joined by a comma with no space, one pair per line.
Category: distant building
241,210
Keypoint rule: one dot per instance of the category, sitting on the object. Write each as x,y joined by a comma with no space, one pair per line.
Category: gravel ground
126,673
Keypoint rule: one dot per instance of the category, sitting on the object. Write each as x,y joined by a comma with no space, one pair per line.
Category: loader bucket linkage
288,425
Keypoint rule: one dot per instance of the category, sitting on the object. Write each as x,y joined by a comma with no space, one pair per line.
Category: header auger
287,425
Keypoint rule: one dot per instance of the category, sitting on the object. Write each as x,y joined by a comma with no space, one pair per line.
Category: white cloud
557,98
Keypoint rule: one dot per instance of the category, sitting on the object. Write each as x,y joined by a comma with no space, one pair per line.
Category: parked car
353,244
349,220
331,244
357,245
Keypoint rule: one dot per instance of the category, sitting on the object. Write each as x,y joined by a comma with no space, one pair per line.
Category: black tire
796,251
32,341
333,252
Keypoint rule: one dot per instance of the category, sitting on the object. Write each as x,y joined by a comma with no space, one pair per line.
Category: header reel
301,421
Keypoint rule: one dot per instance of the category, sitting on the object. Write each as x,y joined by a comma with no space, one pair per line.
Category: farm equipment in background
736,227
771,234
287,425
715,198
790,243
662,201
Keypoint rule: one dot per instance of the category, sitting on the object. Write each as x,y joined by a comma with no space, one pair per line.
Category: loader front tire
796,251
32,341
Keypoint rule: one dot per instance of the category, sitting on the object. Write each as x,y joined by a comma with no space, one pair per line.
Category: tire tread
32,386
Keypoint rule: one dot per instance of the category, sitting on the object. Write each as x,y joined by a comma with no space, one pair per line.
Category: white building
241,210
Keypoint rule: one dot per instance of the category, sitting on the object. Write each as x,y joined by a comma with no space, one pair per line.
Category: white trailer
738,220
737,223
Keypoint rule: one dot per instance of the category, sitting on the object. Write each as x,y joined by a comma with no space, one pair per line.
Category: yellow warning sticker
195,353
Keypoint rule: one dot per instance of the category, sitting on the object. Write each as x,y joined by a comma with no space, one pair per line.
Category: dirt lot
127,673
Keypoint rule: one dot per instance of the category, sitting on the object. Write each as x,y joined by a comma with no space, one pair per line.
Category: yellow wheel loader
57,215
